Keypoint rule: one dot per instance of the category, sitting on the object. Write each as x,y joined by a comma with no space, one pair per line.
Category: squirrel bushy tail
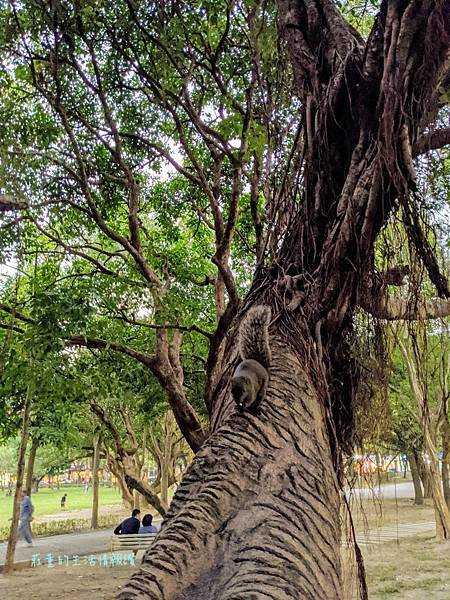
254,335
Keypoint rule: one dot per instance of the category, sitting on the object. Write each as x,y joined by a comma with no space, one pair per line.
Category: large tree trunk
418,494
257,513
30,466
258,508
12,538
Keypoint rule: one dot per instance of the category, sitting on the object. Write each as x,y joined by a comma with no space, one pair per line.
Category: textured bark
257,514
424,473
30,466
117,471
418,494
258,502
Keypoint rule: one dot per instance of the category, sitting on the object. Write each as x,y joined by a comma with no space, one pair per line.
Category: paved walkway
391,533
97,542
392,490
81,544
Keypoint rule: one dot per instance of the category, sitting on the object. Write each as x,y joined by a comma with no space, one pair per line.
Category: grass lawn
80,583
414,569
47,501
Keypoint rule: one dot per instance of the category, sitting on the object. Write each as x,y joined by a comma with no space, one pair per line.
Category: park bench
133,542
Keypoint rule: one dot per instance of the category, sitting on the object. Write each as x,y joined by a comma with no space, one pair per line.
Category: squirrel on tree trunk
251,377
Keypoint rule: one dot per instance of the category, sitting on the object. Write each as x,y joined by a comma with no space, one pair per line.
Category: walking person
63,501
25,516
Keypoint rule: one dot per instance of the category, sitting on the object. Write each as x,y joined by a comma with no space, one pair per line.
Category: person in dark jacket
147,526
130,525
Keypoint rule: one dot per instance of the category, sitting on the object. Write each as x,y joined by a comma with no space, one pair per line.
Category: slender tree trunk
418,494
444,373
12,539
36,483
30,466
127,496
164,483
442,513
424,473
95,481
446,464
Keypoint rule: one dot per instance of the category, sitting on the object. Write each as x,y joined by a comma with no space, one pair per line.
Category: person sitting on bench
147,526
130,525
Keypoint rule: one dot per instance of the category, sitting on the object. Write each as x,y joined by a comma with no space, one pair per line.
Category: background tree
416,360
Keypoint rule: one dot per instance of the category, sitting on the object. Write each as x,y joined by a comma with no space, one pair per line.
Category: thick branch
15,313
104,418
11,328
432,141
9,202
171,380
212,366
396,309
143,488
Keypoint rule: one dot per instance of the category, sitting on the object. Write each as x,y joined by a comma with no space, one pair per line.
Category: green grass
415,569
48,502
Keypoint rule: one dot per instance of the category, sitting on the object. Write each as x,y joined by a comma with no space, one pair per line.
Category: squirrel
251,377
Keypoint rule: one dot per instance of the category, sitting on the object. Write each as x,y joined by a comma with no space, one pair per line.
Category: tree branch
98,344
143,488
126,319
11,328
400,309
9,202
104,418
432,141
15,313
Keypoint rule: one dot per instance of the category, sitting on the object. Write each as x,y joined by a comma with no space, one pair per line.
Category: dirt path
60,583
68,544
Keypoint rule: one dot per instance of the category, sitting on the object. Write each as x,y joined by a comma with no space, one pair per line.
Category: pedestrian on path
25,516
